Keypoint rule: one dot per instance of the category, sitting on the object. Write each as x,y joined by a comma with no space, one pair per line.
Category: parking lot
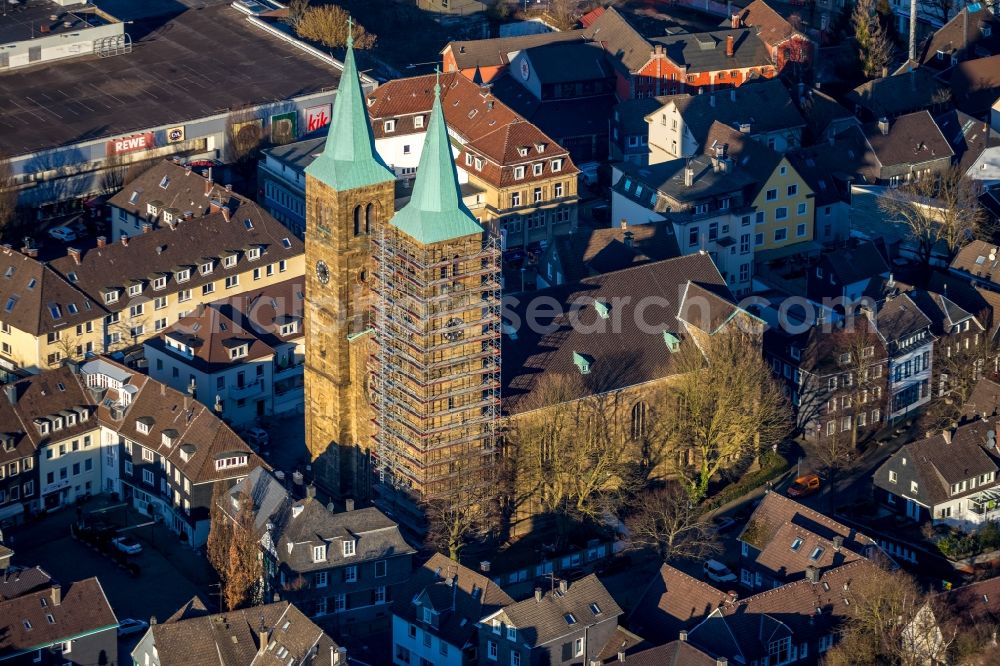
170,572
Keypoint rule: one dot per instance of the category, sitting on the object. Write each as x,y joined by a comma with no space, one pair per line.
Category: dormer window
253,253
160,282
537,168
511,633
229,261
143,425
207,267
389,125
184,275
151,209
518,172
496,626
479,164
238,352
168,216
111,296
135,289
230,461
468,159
523,151
428,615
42,425
349,547
57,424
290,328
418,121
319,553
556,166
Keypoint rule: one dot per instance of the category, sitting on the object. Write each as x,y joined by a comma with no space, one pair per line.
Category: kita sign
131,144
317,117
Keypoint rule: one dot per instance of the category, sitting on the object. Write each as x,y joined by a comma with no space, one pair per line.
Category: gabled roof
668,180
751,157
967,136
15,581
791,537
82,608
37,299
901,93
820,110
772,27
761,107
984,400
675,653
587,601
588,251
671,602
469,597
435,212
497,52
349,159
235,638
830,167
622,41
856,262
979,258
935,464
912,139
899,317
964,37
172,186
976,84
210,336
706,51
567,62
546,357
943,312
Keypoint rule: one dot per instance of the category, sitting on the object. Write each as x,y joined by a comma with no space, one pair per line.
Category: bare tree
729,407
296,10
889,621
875,48
938,210
563,13
328,25
118,173
670,522
233,548
8,195
468,510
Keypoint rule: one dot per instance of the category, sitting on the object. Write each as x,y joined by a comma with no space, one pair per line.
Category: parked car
804,485
64,234
717,572
127,545
257,438
129,626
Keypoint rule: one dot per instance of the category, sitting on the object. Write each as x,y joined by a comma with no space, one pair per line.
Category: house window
351,574
320,578
515,199
147,477
556,166
183,295
319,553
758,240
339,603
389,126
380,594
518,172
232,281
578,647
349,547
511,633
779,651
781,213
537,169
772,195
913,487
380,568
207,288
557,190
793,190
418,121
537,195
491,650
800,230
801,209
780,234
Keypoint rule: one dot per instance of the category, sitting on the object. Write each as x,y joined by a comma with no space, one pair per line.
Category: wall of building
70,469
669,137
410,650
46,47
798,223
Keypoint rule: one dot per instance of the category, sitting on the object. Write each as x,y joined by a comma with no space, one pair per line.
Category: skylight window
285,243
11,302
595,609
9,272
73,277
796,545
570,618
165,182
816,554
55,311
134,199
31,283
248,223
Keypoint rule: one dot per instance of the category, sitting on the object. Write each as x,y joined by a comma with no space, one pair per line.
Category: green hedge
772,465
958,545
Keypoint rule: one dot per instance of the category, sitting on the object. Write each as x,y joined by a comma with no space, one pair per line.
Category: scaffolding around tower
435,366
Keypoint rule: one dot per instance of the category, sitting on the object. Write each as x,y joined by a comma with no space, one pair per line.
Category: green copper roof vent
603,309
672,341
349,160
435,212
583,362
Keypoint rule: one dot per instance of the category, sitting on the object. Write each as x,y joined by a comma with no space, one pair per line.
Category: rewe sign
130,144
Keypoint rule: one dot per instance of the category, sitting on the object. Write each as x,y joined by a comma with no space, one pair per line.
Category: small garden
956,545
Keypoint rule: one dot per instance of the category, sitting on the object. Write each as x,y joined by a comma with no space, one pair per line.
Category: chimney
339,657
124,240
225,213
311,491
621,655
56,592
75,253
263,637
946,435
688,176
730,46
721,661
628,238
349,504
30,251
734,21
883,125
146,227
538,594
563,586
11,391
682,636
732,597
229,188
838,542
812,574
102,241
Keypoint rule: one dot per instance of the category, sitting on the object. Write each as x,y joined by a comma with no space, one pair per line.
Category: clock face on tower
322,272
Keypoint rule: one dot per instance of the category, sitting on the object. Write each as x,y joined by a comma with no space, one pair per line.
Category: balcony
246,391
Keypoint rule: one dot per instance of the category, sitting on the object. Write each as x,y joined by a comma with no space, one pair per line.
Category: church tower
436,360
349,190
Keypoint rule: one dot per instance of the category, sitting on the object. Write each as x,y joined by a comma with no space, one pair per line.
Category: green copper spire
435,212
349,160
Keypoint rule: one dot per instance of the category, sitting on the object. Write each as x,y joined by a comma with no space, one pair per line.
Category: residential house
785,541
588,252
794,623
524,183
481,60
958,334
703,198
114,295
244,370
975,85
167,192
435,615
564,70
53,625
976,146
903,93
983,400
829,169
569,624
786,44
841,278
281,176
973,33
825,117
781,201
673,602
909,147
342,569
269,635
906,333
764,111
949,477
629,130
819,370
978,262
676,652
